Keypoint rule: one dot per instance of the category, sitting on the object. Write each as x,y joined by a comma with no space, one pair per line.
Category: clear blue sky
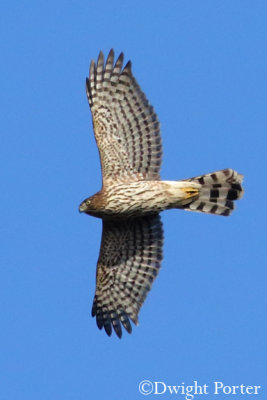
202,65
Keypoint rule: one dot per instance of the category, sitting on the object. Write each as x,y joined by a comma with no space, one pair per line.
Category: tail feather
217,193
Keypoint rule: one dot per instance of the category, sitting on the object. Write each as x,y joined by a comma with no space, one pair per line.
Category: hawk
127,134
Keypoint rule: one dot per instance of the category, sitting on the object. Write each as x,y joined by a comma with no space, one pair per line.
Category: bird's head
85,205
92,205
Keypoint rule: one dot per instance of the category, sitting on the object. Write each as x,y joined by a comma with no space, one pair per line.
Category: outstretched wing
129,261
126,126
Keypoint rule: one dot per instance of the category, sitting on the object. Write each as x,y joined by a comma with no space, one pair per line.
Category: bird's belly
142,197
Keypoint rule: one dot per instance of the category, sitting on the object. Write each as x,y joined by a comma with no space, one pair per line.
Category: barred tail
217,193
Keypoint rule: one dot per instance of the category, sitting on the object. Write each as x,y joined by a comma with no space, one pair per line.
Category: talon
190,192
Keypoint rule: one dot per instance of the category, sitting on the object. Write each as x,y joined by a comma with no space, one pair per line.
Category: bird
127,134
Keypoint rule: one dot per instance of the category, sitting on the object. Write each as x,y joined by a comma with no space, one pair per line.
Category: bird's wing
129,261
126,126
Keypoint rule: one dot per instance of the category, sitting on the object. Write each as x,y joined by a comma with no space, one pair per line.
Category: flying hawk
127,134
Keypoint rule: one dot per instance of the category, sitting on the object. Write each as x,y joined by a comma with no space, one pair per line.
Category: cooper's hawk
127,134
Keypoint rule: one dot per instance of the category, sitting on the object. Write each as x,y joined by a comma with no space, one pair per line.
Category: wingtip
135,320
111,53
121,56
128,66
87,84
120,59
118,330
100,57
92,69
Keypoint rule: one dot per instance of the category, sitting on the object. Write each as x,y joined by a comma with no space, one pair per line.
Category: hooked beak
82,207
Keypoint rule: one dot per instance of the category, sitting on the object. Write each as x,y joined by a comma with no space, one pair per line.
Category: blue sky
202,65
